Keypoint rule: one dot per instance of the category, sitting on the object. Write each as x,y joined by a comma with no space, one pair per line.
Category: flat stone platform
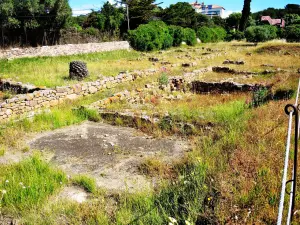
108,153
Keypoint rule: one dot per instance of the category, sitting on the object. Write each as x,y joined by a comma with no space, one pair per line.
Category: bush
178,35
205,34
215,34
219,34
261,33
190,36
235,35
152,36
163,79
292,33
91,31
260,96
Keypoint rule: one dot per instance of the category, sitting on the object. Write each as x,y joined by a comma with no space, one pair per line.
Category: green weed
163,79
88,183
27,184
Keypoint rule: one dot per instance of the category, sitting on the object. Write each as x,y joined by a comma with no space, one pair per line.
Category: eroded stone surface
110,154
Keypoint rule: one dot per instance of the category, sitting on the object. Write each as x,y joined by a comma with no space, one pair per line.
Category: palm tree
245,14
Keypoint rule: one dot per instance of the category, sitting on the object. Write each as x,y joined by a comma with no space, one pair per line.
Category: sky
82,6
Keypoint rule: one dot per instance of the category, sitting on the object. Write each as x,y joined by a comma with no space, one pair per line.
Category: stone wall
200,87
30,102
17,87
58,50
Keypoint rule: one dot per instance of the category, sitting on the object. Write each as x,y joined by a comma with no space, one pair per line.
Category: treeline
38,22
32,22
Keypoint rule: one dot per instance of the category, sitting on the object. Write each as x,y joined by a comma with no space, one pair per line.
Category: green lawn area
54,71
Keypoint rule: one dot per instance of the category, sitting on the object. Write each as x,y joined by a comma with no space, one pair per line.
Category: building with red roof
274,22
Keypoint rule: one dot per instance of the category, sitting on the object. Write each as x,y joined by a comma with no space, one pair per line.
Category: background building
209,10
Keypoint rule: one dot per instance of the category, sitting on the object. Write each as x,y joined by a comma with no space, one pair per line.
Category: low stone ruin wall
29,102
57,50
17,87
142,120
201,87
223,69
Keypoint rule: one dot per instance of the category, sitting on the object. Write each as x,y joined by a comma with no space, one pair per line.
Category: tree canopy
37,16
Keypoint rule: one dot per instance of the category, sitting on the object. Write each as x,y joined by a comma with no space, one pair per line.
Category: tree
139,11
292,9
245,14
113,17
40,17
181,14
6,19
233,20
291,19
218,21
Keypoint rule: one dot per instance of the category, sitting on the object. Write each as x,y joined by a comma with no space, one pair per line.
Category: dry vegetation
232,175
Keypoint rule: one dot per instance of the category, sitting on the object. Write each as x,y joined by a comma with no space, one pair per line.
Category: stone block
92,90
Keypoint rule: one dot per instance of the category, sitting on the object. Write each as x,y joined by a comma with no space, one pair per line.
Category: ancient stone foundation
34,99
201,87
17,87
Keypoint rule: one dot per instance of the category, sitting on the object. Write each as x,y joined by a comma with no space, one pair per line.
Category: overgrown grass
54,71
88,183
183,199
234,171
27,184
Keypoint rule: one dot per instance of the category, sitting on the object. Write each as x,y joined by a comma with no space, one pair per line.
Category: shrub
260,96
292,33
205,34
215,34
190,36
152,36
235,35
163,79
178,35
91,31
261,33
219,34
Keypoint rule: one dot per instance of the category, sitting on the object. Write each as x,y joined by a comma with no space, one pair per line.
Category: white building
209,10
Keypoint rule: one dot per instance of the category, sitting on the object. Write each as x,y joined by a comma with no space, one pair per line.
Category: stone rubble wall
30,102
141,120
58,50
17,87
201,87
